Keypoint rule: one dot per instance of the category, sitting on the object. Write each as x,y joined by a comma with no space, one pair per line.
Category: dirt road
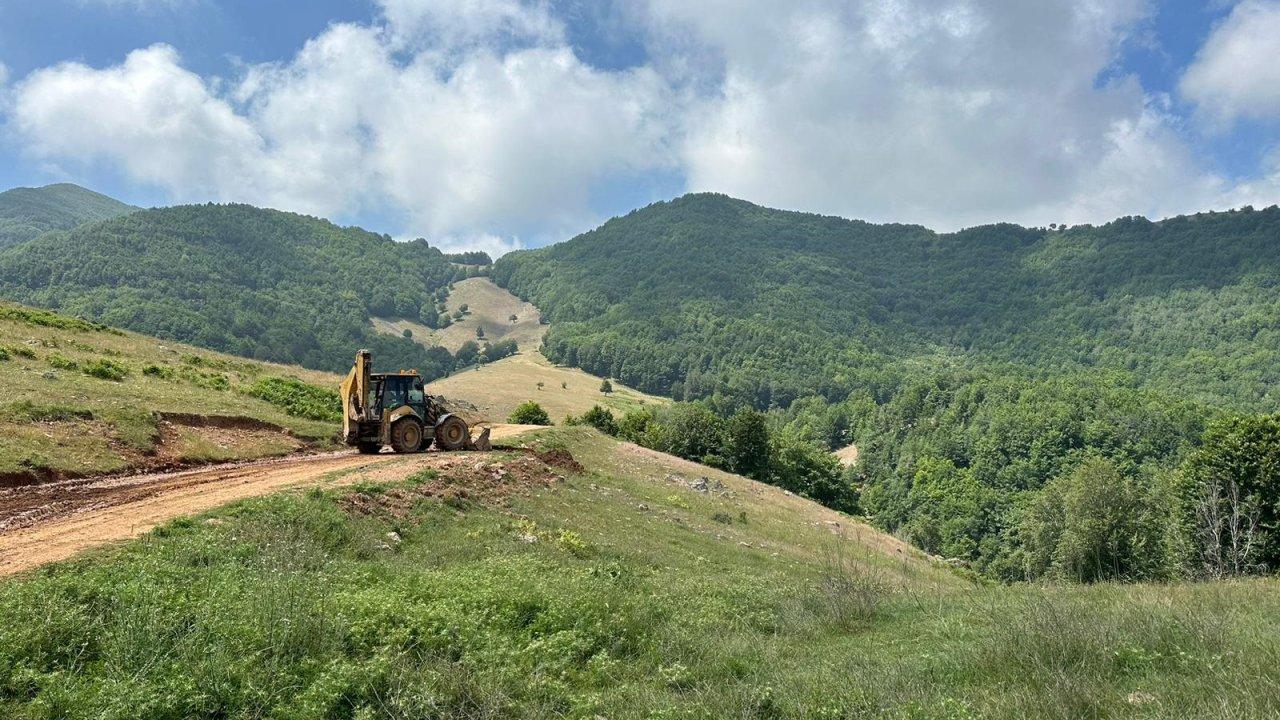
47,523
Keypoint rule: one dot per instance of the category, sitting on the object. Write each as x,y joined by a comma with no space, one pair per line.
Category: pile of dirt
461,481
561,458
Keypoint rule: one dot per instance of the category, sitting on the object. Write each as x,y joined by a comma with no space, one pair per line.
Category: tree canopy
257,283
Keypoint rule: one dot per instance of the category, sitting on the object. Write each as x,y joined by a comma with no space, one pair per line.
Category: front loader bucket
480,441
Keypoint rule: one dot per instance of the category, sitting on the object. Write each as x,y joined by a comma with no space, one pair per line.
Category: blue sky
508,123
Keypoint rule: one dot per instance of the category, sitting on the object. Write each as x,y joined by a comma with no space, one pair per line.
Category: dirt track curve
46,523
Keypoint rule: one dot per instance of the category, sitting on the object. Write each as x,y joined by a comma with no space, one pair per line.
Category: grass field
488,307
82,399
495,389
620,591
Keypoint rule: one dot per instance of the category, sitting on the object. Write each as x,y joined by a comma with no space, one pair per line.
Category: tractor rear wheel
452,433
366,448
406,436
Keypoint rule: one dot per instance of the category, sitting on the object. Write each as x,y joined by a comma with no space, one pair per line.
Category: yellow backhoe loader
380,409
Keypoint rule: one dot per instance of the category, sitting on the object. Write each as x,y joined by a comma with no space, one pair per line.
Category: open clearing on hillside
495,389
488,306
82,399
51,522
847,455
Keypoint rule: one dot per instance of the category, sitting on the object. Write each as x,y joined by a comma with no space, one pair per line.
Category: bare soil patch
489,479
51,522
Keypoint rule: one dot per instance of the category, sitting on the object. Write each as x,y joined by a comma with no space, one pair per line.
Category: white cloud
149,117
1237,72
477,145
944,113
477,124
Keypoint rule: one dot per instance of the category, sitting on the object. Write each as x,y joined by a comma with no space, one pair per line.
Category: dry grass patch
497,388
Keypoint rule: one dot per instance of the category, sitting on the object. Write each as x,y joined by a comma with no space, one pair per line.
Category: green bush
61,362
298,398
4,354
158,371
44,318
106,369
529,413
597,417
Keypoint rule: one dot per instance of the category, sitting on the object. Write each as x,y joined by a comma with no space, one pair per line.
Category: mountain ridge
26,213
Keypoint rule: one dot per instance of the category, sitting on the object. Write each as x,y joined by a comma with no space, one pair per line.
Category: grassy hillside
495,389
256,283
475,303
707,295
992,379
507,587
82,399
25,213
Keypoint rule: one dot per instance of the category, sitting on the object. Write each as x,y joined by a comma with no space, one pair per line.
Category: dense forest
25,213
257,283
708,296
990,377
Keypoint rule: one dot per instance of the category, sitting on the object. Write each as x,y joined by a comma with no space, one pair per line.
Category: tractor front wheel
406,436
452,433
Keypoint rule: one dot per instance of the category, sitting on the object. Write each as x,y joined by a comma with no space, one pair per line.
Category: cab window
417,394
396,395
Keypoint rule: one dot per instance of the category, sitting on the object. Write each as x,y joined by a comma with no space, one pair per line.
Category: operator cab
389,392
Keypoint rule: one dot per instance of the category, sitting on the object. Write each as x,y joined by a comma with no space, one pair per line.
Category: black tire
406,436
366,448
452,433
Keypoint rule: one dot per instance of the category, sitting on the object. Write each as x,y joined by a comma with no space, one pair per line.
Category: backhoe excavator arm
355,396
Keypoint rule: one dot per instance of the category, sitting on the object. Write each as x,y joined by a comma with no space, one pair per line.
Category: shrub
158,371
106,369
44,318
62,362
805,468
691,431
210,381
408,334
4,354
597,417
635,426
606,387
298,398
529,413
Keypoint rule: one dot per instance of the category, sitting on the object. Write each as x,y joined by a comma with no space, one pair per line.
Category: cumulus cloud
478,145
159,123
1237,72
944,113
479,123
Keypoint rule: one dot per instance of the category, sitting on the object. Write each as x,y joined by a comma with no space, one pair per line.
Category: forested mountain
257,283
1035,402
25,213
708,295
